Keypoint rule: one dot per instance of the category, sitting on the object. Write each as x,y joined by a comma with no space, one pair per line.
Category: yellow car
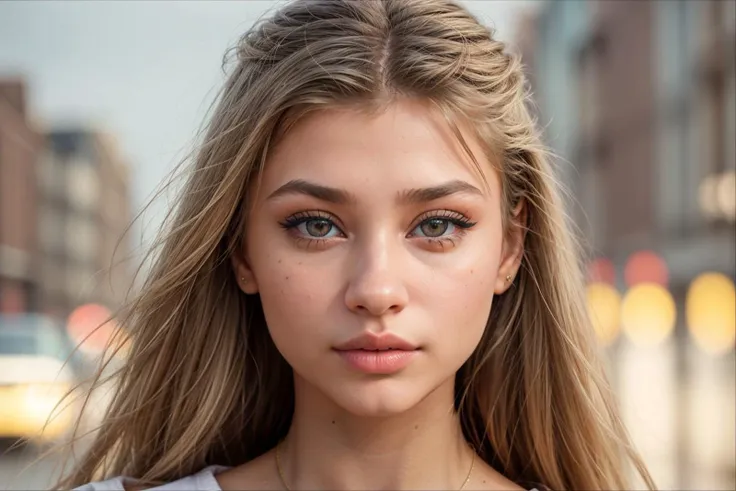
35,374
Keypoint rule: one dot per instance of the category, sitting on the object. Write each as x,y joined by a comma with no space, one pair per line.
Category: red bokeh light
601,270
646,267
90,321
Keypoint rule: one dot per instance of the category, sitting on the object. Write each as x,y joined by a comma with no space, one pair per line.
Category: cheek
295,299
278,276
465,297
459,300
469,277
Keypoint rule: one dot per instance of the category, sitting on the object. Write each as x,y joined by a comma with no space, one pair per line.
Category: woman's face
376,250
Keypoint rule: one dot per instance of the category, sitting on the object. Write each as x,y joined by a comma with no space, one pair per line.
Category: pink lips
384,354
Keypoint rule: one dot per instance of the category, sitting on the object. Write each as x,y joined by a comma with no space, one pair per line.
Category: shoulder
257,474
113,484
203,480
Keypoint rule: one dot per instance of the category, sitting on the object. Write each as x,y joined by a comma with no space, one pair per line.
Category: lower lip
380,362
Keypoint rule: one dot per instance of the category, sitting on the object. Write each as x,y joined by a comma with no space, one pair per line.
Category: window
81,237
82,185
52,170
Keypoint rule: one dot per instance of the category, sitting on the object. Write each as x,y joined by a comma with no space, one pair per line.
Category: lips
374,342
377,354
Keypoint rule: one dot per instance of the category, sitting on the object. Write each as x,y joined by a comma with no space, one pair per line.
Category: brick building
85,209
64,207
20,147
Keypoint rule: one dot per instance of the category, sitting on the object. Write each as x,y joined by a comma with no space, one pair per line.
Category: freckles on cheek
459,296
470,294
289,282
278,291
477,294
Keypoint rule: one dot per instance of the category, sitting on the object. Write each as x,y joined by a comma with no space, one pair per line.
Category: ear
243,273
512,250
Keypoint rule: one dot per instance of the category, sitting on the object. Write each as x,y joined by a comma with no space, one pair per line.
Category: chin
377,398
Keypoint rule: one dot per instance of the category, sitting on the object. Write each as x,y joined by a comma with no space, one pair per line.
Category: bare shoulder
258,474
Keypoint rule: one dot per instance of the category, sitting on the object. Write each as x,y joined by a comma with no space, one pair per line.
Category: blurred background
99,101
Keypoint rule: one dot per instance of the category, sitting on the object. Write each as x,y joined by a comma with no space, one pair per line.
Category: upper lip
370,341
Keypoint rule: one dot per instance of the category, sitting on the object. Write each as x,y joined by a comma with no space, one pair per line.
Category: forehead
407,144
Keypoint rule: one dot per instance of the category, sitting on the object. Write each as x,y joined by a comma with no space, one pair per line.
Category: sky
144,71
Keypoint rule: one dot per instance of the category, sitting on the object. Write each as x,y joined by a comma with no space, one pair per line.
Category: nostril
374,297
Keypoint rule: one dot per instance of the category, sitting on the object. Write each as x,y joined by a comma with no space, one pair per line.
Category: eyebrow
423,195
340,196
324,193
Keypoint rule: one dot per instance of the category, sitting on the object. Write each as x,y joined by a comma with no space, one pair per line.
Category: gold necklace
286,486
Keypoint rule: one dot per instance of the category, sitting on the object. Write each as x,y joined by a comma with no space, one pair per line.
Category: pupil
434,228
318,228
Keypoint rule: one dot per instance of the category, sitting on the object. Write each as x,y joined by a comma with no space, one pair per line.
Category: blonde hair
532,399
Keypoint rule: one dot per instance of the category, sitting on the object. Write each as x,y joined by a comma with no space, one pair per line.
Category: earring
242,279
508,278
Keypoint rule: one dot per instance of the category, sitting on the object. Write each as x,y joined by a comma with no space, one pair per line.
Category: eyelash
455,218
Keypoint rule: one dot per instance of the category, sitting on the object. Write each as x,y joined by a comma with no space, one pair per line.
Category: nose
376,287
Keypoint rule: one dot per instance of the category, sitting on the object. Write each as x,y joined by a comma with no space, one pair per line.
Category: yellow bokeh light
604,305
648,314
711,312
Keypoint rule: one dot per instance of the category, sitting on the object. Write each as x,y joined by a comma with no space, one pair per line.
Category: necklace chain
286,486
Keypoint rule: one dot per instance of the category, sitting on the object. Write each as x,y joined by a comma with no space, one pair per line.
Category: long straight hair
202,376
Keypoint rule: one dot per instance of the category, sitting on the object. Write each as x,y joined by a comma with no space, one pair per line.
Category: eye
440,224
312,225
434,227
317,227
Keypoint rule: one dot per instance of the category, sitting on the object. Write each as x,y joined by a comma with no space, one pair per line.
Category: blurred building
85,210
20,146
64,208
638,99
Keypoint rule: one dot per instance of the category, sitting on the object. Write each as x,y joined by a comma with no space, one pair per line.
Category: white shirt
203,480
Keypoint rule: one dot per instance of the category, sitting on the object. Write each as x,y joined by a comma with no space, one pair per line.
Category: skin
375,262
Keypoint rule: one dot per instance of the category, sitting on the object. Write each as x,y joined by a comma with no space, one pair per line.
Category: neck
421,448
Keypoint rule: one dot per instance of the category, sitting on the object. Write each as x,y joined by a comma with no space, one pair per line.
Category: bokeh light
604,305
601,270
711,312
707,197
646,267
90,325
726,195
648,314
717,196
